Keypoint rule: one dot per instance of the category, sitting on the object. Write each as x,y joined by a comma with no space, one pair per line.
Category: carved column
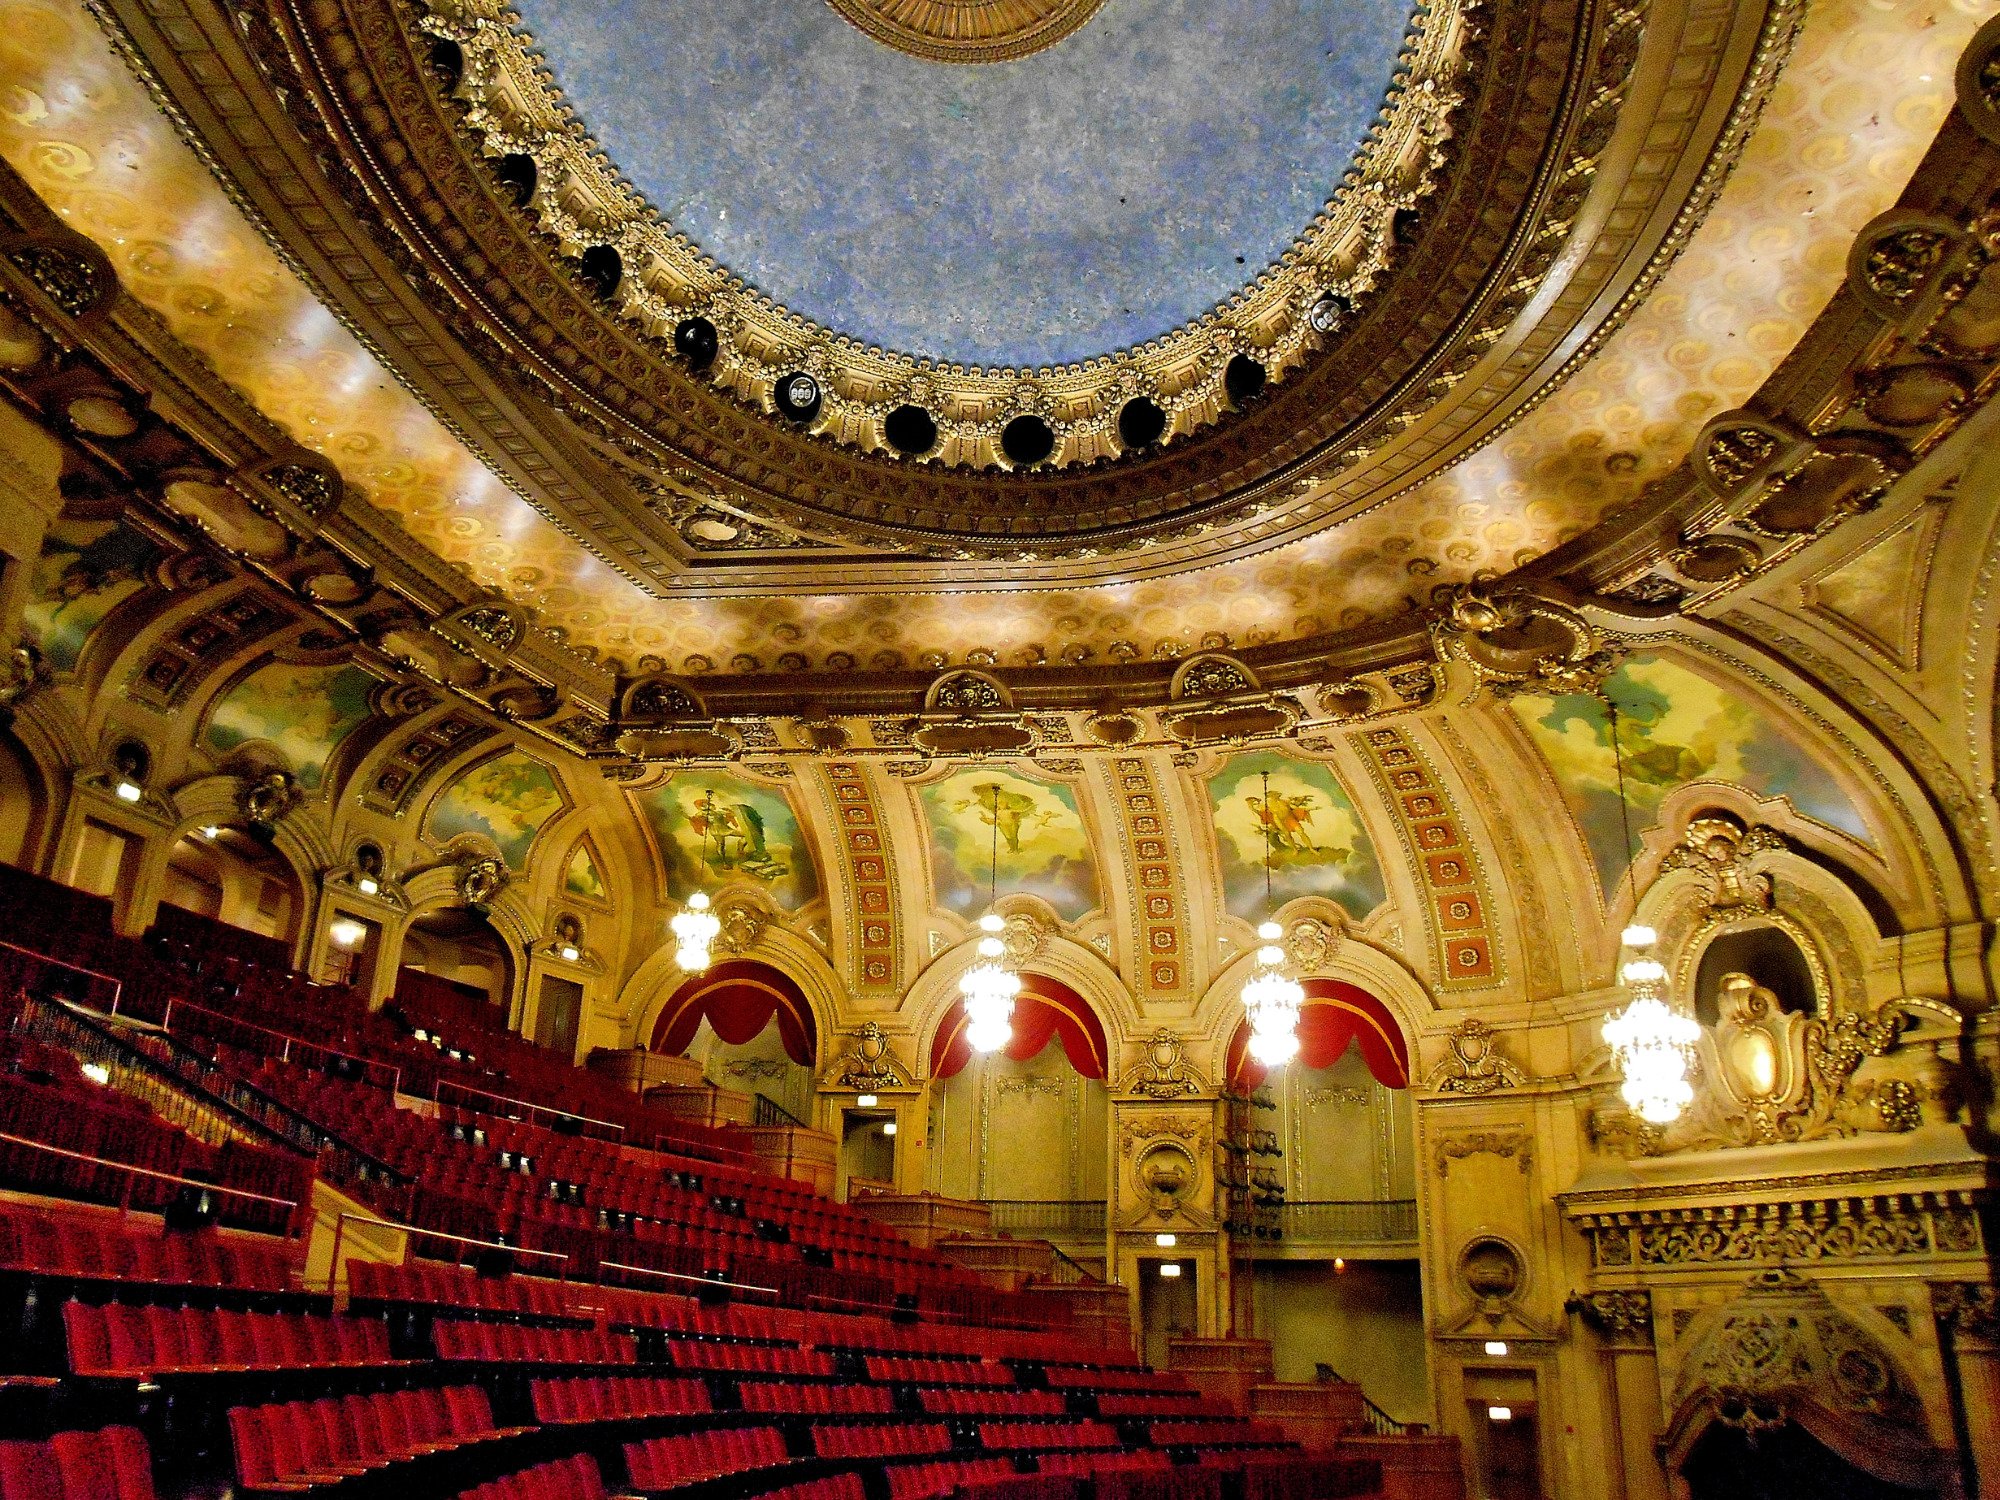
1624,1320
1969,1315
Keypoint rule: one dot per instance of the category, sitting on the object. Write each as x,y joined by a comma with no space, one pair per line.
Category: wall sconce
210,831
1165,1241
865,1101
1496,1347
1170,1269
128,791
889,1128
1499,1413
345,932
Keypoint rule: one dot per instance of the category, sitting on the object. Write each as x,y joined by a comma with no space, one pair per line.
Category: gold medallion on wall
967,31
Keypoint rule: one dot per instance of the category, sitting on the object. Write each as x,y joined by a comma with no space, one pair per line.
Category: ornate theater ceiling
1500,271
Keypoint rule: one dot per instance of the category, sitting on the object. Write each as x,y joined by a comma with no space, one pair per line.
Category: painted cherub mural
1295,812
303,712
709,828
86,570
1036,828
1675,726
507,798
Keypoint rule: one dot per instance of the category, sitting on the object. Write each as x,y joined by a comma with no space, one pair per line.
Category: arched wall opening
456,949
1767,954
750,1027
1023,1128
23,804
1334,1273
229,875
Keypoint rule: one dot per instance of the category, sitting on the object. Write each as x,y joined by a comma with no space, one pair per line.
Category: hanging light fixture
1651,1038
1271,997
989,986
695,926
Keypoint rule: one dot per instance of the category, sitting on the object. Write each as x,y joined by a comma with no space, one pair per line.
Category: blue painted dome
1044,210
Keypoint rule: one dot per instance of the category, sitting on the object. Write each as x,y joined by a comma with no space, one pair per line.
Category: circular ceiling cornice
654,278
966,31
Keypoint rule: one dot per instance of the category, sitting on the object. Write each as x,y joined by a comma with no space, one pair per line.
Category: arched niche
751,1028
1767,953
228,873
1024,1125
456,951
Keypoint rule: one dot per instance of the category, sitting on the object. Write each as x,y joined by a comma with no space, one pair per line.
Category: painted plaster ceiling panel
1864,93
1036,212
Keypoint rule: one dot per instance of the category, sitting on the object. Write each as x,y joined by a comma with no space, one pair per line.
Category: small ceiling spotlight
210,831
796,396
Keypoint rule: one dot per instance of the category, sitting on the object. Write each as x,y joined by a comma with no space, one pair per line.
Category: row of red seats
1158,1404
302,1443
121,1341
565,1479
833,1487
1125,1460
514,1343
828,1400
990,1402
747,1359
887,1440
898,1367
662,1463
110,1464
1101,1378
1216,1432
423,1284
933,1481
606,1398
1047,1435
100,1246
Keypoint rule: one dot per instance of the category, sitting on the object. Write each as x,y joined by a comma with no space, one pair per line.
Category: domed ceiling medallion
967,31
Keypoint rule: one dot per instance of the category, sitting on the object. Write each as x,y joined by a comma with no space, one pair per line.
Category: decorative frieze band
1885,1226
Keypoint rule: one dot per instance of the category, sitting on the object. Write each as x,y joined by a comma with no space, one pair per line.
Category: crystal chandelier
1651,1039
989,986
1271,998
695,926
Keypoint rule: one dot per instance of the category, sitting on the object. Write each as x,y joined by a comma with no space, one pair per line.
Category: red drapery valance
1045,1008
738,997
1336,1015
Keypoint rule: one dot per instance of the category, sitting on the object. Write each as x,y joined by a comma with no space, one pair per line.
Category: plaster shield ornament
1475,1066
1720,848
1509,1144
1164,1071
742,923
1517,641
1311,943
267,800
869,1065
1621,1316
480,878
967,31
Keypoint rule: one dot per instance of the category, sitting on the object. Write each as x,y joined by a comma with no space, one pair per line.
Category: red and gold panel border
864,852
1458,909
1160,965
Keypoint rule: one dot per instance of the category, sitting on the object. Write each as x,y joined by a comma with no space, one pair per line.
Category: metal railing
515,1109
769,1111
27,958
198,1094
1066,1272
291,1048
1042,1218
1348,1222
132,1175
1376,1420
333,1263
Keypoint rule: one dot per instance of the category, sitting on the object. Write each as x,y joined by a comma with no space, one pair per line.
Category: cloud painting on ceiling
1308,825
711,829
1043,848
302,712
507,798
1045,210
1674,726
580,878
86,570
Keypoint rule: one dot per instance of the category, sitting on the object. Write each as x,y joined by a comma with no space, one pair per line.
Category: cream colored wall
1367,1322
758,1066
1031,1130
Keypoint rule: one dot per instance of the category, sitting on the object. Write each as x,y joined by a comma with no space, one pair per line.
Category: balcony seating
609,1398
1160,1404
514,1343
566,1479
419,1284
94,1246
933,1480
987,1401
1123,1461
110,1464
662,1463
134,1342
1047,1435
299,1445
747,1359
833,1487
894,1440
1216,1433
1103,1378
822,1400
937,1371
